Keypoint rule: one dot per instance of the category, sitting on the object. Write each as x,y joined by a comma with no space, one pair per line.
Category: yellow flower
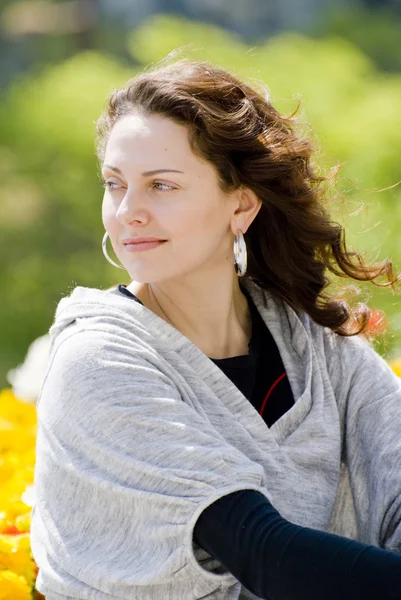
396,366
8,465
16,438
14,410
8,543
23,522
11,493
16,556
13,504
14,587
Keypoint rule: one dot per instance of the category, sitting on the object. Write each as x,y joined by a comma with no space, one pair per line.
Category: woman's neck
218,322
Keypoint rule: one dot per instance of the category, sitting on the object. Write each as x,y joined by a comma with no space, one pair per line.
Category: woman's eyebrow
145,173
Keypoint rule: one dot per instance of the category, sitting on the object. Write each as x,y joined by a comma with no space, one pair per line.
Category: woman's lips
141,246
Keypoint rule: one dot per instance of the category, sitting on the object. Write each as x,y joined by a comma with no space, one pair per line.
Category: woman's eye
162,187
110,185
157,185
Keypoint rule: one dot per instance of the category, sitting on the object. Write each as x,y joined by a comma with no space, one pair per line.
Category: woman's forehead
142,127
151,141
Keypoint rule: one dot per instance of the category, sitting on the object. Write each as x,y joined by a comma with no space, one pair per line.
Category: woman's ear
248,206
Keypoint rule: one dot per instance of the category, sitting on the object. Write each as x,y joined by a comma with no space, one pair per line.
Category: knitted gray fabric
139,431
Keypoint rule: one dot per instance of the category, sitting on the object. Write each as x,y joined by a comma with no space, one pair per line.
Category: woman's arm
123,469
278,560
369,399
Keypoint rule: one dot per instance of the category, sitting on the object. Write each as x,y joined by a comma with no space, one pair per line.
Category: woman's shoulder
355,368
295,326
99,316
87,301
342,356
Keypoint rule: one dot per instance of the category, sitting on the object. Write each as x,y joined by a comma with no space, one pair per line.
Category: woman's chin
141,276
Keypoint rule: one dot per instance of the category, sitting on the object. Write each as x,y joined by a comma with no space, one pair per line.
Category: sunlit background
60,60
58,63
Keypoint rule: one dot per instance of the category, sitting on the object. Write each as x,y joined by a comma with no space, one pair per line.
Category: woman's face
157,187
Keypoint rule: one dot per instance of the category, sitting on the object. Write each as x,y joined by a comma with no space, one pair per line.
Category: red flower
11,530
377,323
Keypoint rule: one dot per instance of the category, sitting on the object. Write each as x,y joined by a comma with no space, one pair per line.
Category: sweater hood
113,311
85,303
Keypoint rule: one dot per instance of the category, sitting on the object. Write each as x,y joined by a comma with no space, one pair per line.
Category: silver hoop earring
104,242
240,254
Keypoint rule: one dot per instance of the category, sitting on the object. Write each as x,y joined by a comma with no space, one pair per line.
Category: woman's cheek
108,214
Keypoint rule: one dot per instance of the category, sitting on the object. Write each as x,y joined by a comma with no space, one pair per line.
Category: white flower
26,379
28,497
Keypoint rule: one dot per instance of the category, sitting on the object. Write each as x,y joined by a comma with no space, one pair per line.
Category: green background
50,193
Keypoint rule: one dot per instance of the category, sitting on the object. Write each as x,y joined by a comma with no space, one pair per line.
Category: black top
270,556
278,560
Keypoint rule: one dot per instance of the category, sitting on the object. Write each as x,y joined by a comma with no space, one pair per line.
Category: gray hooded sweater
139,431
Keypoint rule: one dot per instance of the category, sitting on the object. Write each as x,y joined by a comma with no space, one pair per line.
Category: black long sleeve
278,560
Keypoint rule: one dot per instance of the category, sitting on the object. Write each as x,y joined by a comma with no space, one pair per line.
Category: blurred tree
373,26
50,223
37,33
34,33
50,200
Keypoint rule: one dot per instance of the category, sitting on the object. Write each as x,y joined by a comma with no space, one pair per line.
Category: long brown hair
292,243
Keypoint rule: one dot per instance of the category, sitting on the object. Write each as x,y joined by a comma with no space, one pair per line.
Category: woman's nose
132,208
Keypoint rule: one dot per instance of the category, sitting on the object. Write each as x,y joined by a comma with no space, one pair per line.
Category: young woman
216,428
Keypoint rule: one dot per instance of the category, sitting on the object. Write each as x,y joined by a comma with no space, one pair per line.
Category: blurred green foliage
374,29
50,198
